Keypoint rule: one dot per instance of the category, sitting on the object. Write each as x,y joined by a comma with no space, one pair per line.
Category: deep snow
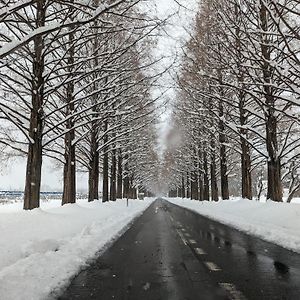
278,223
41,250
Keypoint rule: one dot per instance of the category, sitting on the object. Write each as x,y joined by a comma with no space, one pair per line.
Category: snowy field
41,250
274,222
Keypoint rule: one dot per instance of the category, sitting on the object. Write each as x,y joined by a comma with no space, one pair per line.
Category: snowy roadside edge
268,232
61,288
47,275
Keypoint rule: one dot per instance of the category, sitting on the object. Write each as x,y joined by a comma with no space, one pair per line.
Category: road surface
171,253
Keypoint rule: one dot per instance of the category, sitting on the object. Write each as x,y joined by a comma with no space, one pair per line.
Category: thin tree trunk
201,187
179,192
182,188
34,156
213,175
120,177
113,175
94,172
126,187
245,155
274,164
188,186
134,193
94,169
205,177
69,189
194,186
105,175
245,147
246,170
222,140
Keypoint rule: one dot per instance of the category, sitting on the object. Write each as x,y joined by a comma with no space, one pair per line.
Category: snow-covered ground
41,250
275,222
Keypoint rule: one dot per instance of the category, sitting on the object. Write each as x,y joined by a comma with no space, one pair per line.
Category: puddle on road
281,268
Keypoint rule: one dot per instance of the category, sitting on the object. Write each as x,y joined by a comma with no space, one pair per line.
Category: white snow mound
278,223
41,250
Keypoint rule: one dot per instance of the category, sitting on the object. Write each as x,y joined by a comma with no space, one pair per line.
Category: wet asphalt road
171,253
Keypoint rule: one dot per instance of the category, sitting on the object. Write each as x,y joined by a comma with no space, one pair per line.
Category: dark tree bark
213,175
201,187
132,191
120,177
105,196
94,172
69,189
274,164
94,167
34,157
113,174
194,186
245,155
126,187
182,188
188,186
205,177
246,171
179,192
222,141
245,147
173,193
223,158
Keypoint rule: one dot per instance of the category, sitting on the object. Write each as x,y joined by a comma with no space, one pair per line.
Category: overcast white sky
169,45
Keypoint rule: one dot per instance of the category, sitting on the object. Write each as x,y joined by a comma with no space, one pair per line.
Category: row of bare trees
75,86
238,102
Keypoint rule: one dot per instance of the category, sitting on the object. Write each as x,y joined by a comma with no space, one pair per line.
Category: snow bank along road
275,222
171,253
41,250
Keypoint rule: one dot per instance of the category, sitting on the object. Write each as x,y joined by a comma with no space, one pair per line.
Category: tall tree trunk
246,171
94,167
113,175
34,157
126,187
274,163
69,189
105,175
120,176
205,177
245,147
201,186
34,164
194,186
213,175
188,185
245,157
94,172
222,141
182,188
126,183
134,193
179,192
